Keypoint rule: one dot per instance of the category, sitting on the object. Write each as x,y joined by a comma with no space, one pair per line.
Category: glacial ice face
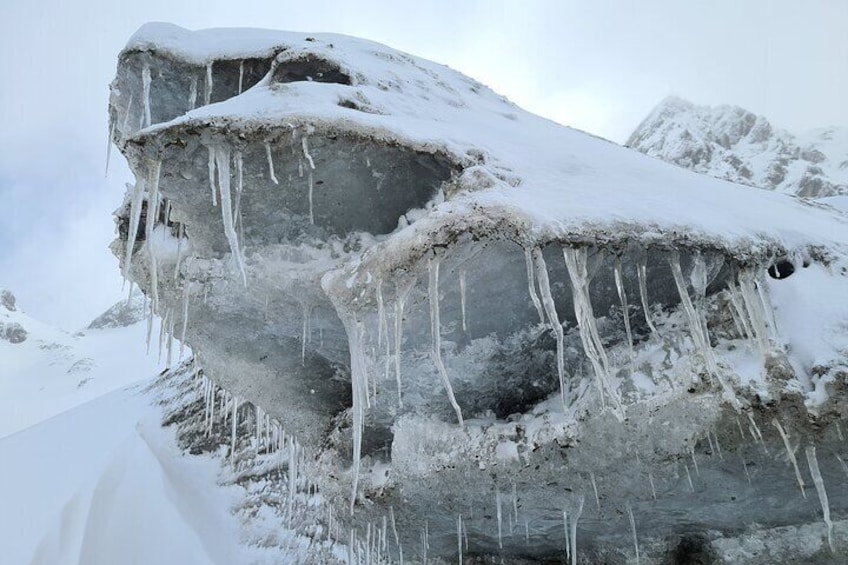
460,310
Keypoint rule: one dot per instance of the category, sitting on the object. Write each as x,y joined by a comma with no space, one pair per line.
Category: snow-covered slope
731,143
51,370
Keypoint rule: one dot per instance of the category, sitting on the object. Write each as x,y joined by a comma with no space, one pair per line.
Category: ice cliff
485,335
734,144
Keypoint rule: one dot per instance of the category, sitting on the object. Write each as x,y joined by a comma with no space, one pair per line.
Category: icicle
791,453
311,206
180,235
303,335
575,261
241,76
222,163
526,532
547,302
739,312
595,489
459,536
292,479
625,310
514,504
499,512
126,122
689,477
745,467
696,325
145,86
758,435
838,427
633,529
531,283
270,158
395,532
642,275
695,462
135,218
170,338
462,294
152,216
574,519
401,293
359,380
566,532
109,146
813,463
233,431
435,330
192,93
207,96
718,446
162,331
754,308
211,170
305,145
653,489
239,184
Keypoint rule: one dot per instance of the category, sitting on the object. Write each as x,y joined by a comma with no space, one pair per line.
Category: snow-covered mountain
731,143
45,371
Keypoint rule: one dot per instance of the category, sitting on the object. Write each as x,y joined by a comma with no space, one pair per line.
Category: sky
599,66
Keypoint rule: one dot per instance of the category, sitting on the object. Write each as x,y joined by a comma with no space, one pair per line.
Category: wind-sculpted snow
477,323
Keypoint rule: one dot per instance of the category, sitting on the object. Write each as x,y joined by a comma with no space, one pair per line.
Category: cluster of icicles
258,443
254,432
751,312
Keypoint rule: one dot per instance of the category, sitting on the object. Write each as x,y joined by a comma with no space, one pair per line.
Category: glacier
426,288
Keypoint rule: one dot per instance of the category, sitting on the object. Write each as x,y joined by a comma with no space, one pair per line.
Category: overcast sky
596,65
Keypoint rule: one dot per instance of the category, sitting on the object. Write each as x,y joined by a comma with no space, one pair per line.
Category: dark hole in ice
781,269
692,549
310,68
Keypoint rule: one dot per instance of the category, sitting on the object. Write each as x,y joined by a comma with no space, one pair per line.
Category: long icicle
625,310
222,164
541,273
791,454
813,463
207,96
462,294
531,283
401,293
305,146
633,530
211,170
359,384
642,275
575,517
270,159
696,328
576,262
145,86
435,330
192,93
152,216
135,218
241,76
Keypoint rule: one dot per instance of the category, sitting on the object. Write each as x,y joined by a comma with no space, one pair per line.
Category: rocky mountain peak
732,143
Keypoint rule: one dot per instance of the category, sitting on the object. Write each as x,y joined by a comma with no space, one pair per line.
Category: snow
556,182
53,371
